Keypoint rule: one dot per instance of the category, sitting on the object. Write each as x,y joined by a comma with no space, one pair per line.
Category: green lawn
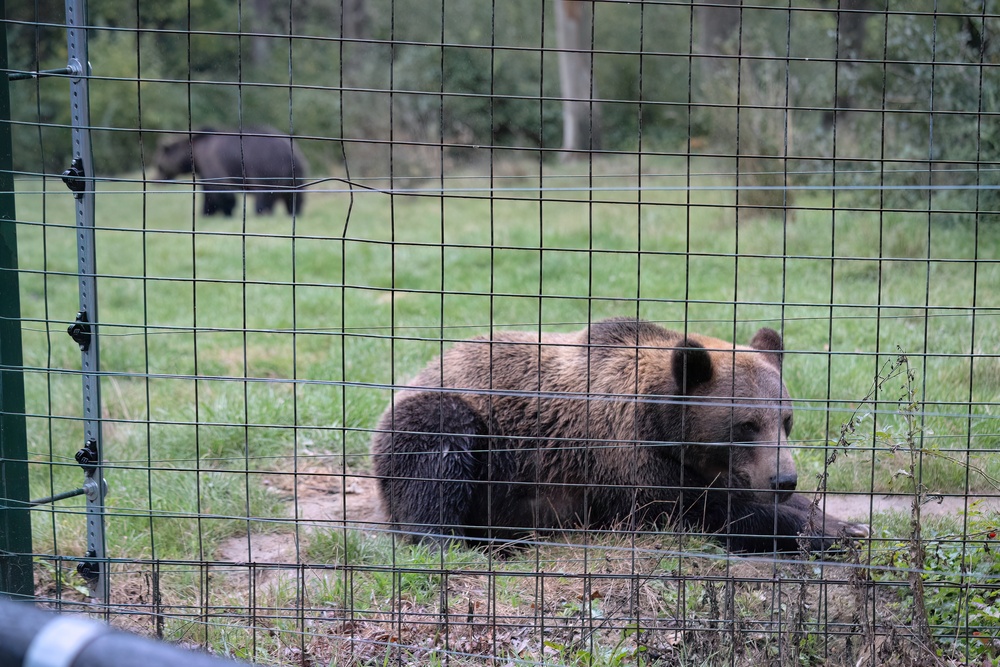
302,309
321,323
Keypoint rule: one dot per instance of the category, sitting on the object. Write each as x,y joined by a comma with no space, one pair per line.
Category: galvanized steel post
80,179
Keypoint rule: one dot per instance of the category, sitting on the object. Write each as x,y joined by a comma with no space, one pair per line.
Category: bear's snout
784,484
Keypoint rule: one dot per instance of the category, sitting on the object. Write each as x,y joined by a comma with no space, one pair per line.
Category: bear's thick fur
260,160
622,425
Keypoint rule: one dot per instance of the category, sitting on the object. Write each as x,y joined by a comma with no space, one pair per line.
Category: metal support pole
79,177
16,577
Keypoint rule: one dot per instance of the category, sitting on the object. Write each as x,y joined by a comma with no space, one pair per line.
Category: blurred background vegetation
896,91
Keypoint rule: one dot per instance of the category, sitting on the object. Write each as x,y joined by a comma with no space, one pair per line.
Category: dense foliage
892,93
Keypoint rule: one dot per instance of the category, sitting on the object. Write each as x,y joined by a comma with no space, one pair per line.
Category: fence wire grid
299,210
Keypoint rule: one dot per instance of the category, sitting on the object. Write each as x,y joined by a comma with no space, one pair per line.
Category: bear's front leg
218,201
820,531
790,526
265,203
743,524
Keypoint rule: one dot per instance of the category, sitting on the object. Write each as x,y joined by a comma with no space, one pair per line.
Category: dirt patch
861,507
315,500
330,500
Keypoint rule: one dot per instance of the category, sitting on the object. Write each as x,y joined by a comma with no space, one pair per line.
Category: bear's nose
784,483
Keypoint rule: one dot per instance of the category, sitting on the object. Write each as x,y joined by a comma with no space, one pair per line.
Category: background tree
717,24
581,124
356,21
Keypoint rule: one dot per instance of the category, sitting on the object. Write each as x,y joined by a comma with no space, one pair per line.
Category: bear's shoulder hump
629,332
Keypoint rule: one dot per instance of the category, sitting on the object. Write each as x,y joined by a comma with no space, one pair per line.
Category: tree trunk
356,22
581,126
260,47
852,27
717,24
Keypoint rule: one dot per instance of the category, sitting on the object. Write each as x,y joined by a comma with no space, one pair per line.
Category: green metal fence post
16,576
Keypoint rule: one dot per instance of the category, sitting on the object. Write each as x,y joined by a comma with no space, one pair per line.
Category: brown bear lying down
622,425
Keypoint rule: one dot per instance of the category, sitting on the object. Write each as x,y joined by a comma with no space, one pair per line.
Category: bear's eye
788,425
745,431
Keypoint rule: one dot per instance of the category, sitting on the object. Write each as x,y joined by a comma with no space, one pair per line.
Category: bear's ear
692,366
769,340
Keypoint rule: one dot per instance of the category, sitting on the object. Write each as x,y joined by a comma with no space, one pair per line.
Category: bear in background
259,159
624,425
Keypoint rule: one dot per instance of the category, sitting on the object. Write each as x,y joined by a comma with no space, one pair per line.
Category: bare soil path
329,501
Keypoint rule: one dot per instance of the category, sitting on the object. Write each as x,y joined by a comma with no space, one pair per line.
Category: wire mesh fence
411,332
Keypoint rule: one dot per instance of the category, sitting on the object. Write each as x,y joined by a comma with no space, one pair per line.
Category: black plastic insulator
79,331
73,177
87,456
90,570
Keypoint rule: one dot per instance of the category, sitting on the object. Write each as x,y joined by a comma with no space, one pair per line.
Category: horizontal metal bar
20,76
58,496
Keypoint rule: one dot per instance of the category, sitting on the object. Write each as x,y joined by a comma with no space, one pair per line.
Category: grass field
258,346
